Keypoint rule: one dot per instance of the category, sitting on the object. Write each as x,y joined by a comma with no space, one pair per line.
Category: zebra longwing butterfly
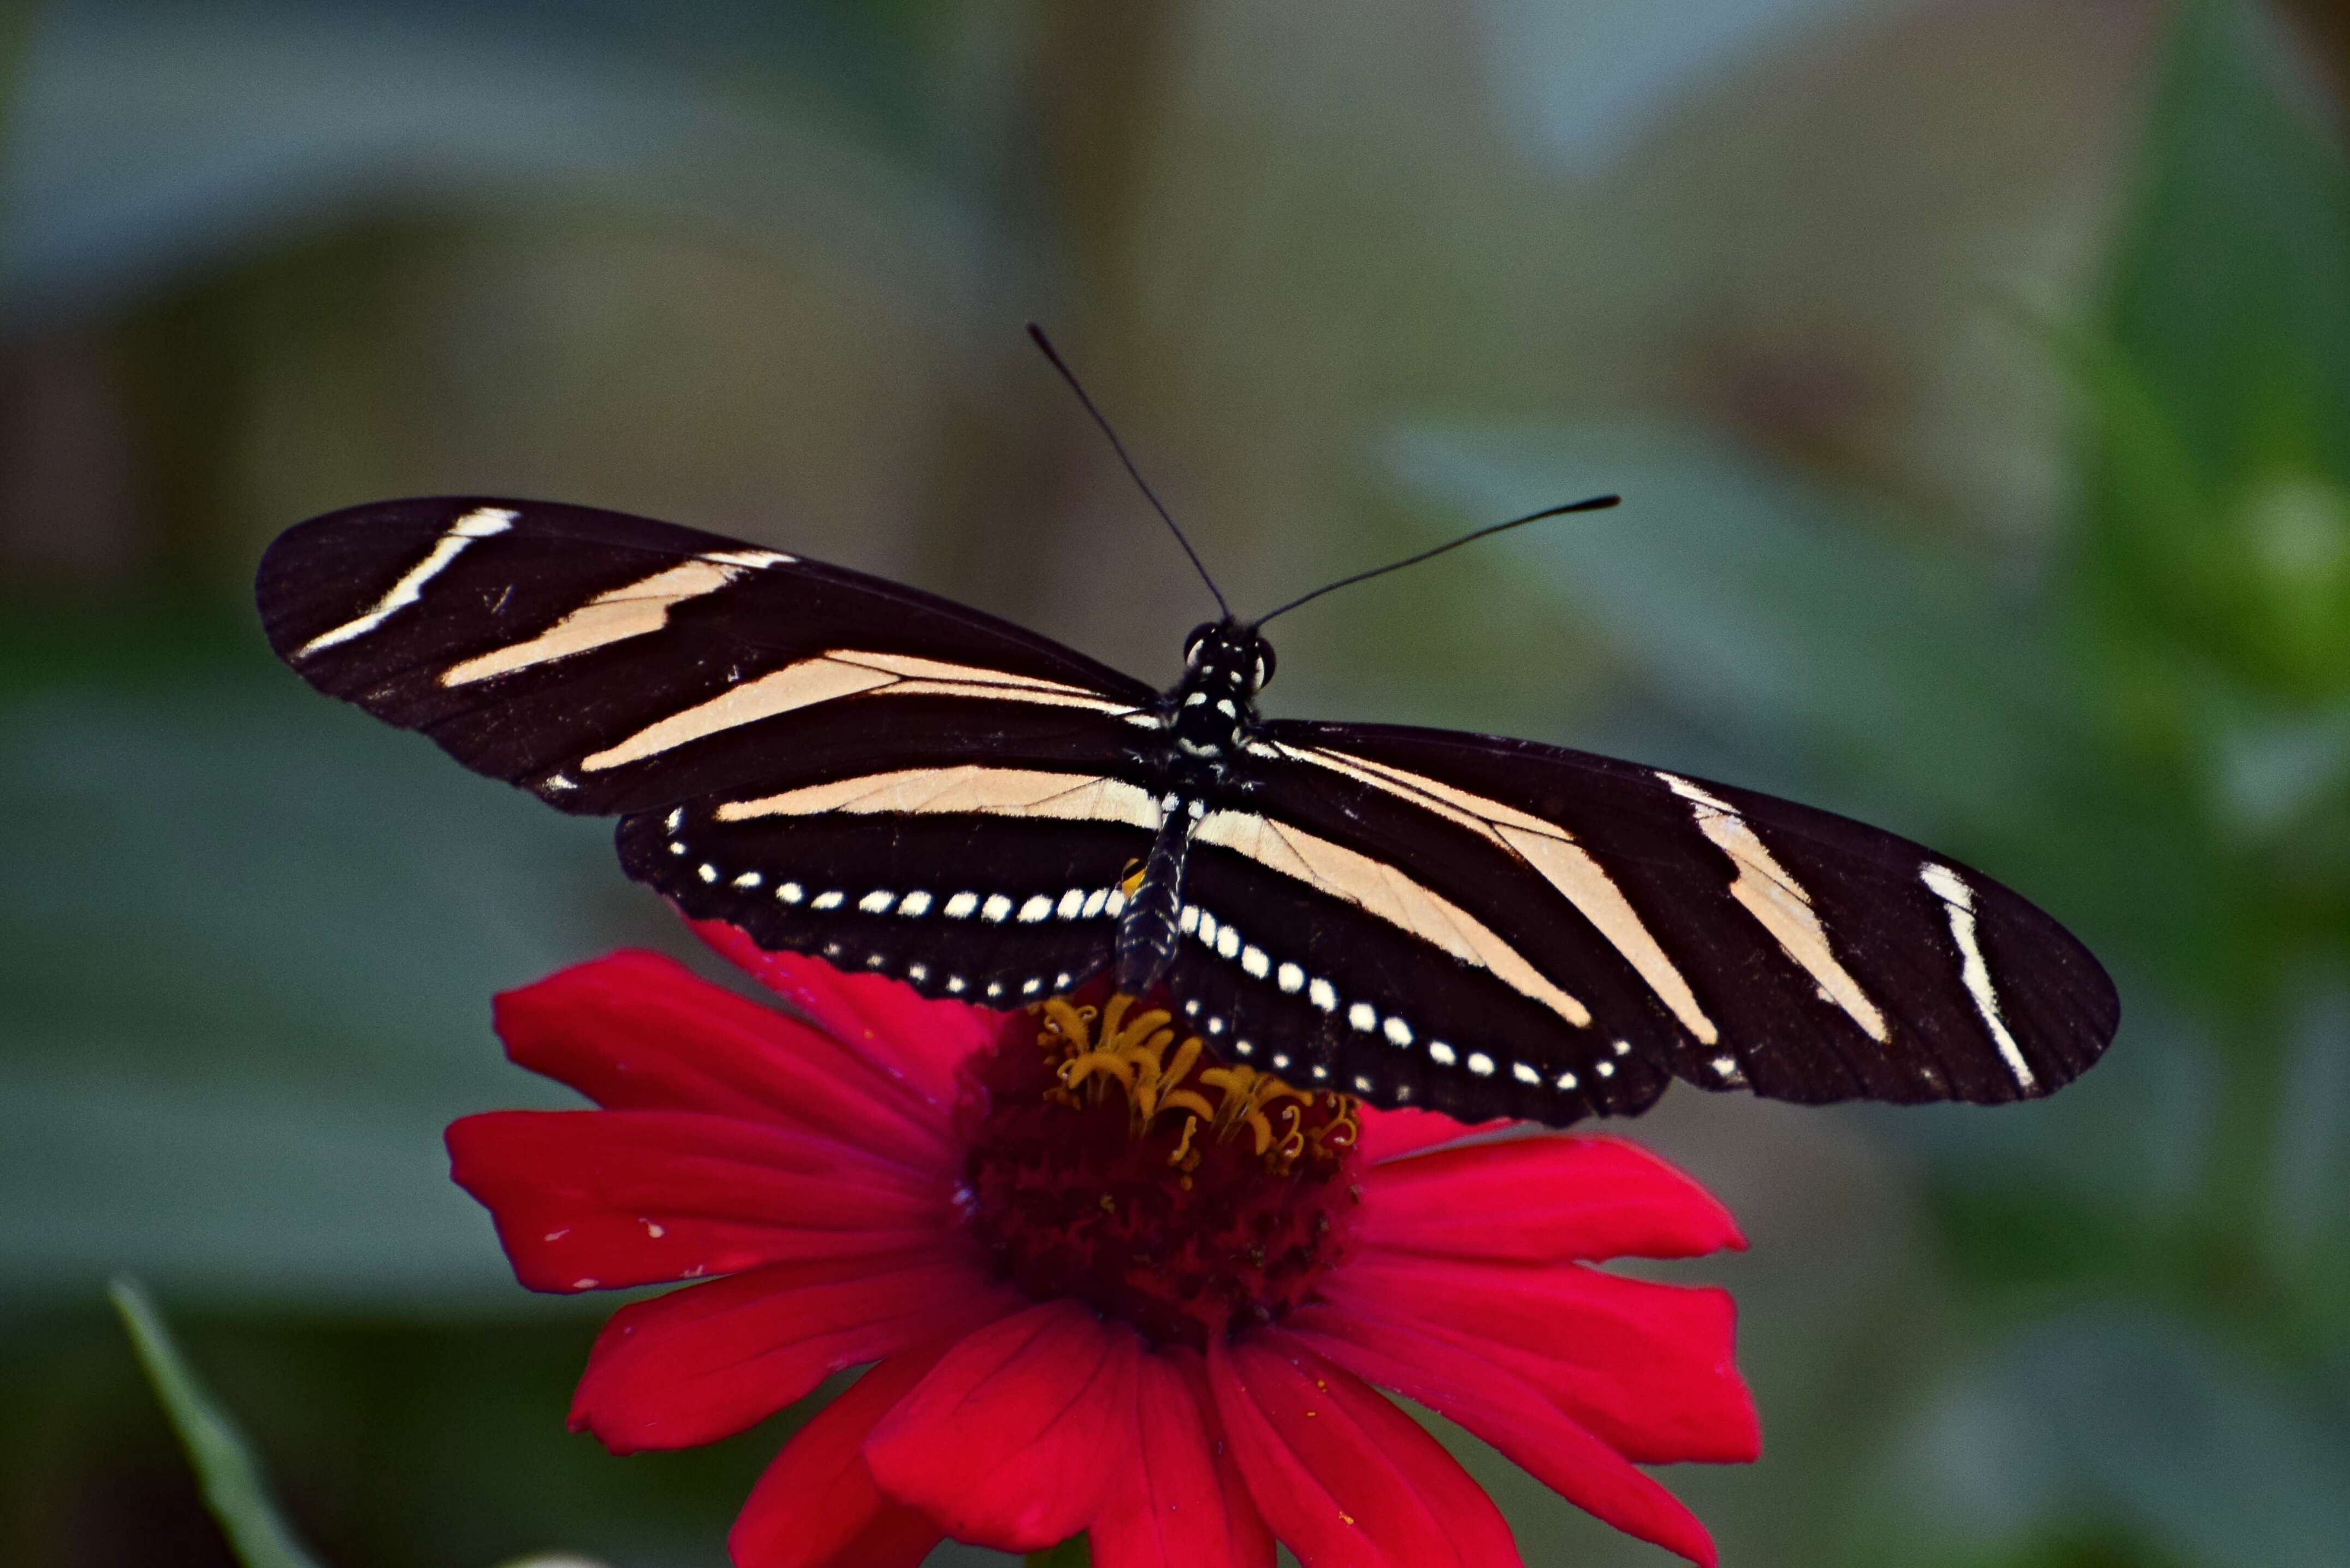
843,765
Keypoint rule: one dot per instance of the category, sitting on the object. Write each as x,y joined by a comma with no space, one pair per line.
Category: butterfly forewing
612,663
1737,940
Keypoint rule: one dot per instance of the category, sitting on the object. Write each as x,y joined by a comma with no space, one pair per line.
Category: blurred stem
233,1484
1073,1552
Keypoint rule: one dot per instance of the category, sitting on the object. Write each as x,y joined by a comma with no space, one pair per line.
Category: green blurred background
1977,373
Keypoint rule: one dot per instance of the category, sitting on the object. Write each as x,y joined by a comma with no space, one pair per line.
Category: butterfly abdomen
1147,930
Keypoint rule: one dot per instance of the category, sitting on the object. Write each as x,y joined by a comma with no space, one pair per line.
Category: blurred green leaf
2219,382
234,1487
1757,604
393,1438
2310,1173
153,144
2115,1413
1075,1552
247,947
2090,1185
1590,80
2213,584
2231,290
15,26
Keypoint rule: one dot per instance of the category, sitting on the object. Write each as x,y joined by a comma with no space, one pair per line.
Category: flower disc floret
1114,1163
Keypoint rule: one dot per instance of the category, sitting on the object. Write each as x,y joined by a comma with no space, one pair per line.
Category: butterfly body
1206,719
846,766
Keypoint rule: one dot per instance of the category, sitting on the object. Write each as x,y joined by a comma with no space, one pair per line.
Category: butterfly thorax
1207,719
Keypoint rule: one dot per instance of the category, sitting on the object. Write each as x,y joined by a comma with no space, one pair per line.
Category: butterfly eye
1193,644
1264,667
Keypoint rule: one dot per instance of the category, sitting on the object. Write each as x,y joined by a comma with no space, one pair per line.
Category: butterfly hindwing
1286,973
987,907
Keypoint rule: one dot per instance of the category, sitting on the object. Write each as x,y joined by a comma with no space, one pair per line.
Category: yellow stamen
1338,1134
1131,1048
1248,1094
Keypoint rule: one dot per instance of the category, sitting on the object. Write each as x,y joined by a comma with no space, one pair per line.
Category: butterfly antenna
1596,503
1045,344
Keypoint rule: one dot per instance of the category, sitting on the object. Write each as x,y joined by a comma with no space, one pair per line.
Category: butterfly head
1227,658
1211,709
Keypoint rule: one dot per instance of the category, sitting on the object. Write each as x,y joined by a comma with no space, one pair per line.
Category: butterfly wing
1497,928
615,665
843,766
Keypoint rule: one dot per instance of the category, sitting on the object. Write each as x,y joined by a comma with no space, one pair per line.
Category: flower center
1113,1164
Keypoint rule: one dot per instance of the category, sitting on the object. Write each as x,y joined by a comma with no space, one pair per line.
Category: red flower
1106,1284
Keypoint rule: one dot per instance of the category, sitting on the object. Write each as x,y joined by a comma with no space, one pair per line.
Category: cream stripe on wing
1777,900
916,668
617,615
966,788
1959,901
1050,696
1380,890
799,685
842,672
481,522
1555,856
1569,868
1400,781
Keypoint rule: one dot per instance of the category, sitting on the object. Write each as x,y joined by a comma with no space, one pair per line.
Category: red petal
698,1364
589,1199
905,1033
1015,1436
1647,1367
1541,1200
1527,1430
1390,1135
817,1504
1181,1504
1345,1479
635,1031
